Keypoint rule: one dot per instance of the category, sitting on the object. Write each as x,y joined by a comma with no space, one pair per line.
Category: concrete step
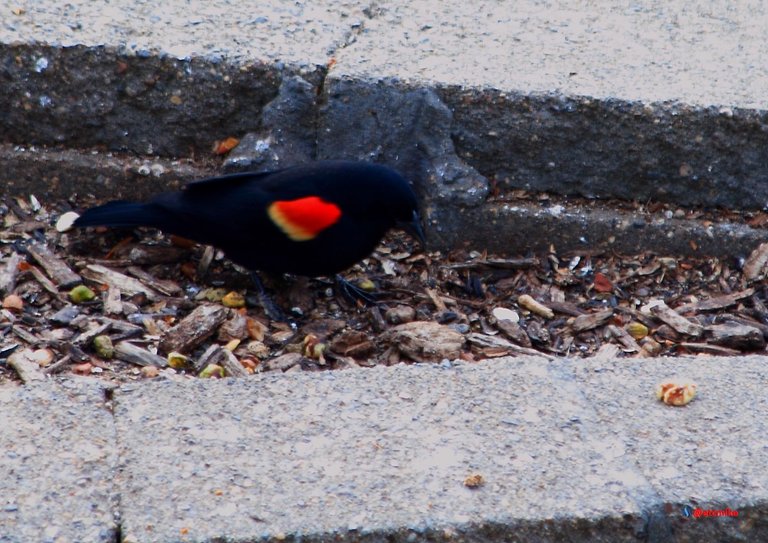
576,450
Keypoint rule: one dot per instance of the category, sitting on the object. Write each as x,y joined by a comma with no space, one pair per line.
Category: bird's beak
414,229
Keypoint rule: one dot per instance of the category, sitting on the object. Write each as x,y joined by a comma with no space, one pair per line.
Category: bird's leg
354,293
270,307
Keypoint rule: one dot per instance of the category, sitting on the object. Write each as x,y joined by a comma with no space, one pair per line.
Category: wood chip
218,355
708,348
628,343
438,303
26,336
149,255
498,263
514,332
26,366
741,319
566,308
87,336
205,261
591,321
759,308
424,341
715,302
352,343
55,267
113,303
755,264
40,277
208,357
8,273
283,362
194,329
128,352
123,327
127,285
59,365
607,352
235,327
679,323
164,286
736,336
485,341
232,365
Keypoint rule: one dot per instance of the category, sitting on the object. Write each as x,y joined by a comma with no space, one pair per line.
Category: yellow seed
81,294
212,371
232,345
211,294
233,299
637,330
103,346
367,285
177,360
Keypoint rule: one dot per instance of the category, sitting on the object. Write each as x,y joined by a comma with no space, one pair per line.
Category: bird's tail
121,214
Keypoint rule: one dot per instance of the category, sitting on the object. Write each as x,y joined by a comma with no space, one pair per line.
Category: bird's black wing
226,182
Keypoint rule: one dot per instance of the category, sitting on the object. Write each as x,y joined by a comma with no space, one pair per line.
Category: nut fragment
13,302
66,221
44,357
149,372
676,394
505,314
527,302
314,348
474,481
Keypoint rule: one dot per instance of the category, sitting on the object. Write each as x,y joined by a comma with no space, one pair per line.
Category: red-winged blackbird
315,219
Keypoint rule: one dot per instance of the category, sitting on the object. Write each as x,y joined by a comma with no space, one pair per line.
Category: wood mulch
158,306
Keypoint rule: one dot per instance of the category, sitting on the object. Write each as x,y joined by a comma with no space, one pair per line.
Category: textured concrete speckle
697,53
557,450
377,450
298,32
58,464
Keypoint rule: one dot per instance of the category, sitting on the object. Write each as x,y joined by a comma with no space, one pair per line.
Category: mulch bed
158,306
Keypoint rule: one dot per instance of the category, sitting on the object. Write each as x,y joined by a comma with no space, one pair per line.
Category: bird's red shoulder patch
304,218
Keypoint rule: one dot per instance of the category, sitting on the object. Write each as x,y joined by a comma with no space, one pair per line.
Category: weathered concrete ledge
511,228
106,98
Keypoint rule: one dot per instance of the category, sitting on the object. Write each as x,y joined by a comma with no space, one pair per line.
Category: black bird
316,219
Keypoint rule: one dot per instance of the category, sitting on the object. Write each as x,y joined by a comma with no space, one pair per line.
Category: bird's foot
354,293
271,309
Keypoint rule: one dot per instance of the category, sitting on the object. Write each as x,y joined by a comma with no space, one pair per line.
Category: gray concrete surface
645,101
57,474
576,450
